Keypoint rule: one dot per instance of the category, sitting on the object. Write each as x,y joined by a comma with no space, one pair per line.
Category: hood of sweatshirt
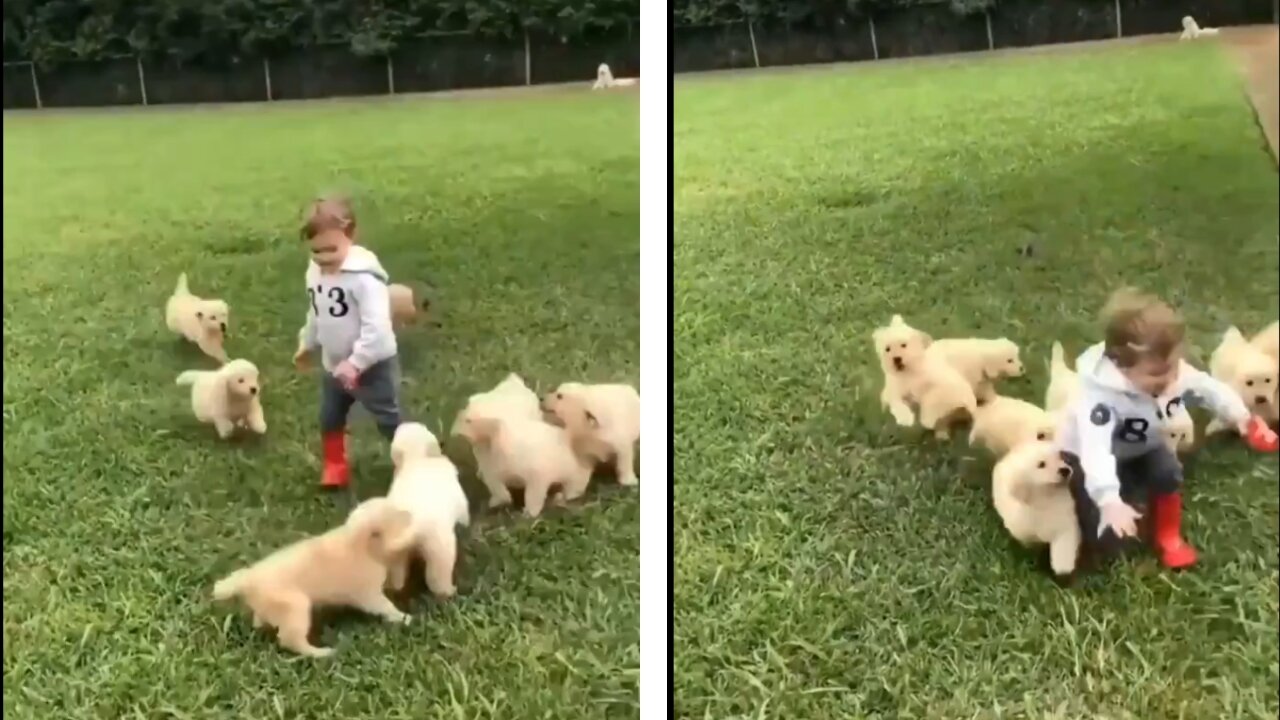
360,260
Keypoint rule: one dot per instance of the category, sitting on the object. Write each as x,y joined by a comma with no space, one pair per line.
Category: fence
432,63
934,29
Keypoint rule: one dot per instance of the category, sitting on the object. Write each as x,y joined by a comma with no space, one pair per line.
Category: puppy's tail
181,288
231,585
189,377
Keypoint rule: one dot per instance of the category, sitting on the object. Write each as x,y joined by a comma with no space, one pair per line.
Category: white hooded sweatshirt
1112,420
350,313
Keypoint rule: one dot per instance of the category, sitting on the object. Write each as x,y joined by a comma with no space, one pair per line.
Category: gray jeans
378,391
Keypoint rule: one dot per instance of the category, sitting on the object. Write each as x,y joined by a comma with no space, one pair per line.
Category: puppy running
1030,490
912,375
426,486
982,362
1191,30
346,566
203,322
227,397
606,80
1003,423
1250,372
608,418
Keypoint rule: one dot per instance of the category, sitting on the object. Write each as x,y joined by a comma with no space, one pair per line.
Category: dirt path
1257,52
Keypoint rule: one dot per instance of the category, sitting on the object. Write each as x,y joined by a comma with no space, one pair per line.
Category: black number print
311,293
1134,430
339,308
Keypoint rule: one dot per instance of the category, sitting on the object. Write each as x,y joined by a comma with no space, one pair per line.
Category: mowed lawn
830,565
120,511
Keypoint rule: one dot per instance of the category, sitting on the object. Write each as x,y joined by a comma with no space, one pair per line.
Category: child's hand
1121,518
1259,437
347,375
302,360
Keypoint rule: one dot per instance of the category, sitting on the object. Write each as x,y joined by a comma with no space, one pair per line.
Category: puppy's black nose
1260,399
224,326
897,363
253,391
1064,472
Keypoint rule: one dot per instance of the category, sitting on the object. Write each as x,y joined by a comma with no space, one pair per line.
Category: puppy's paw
319,652
446,593
628,481
401,619
942,433
497,502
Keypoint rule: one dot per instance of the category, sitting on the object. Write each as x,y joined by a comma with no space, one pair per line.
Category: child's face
1154,376
329,249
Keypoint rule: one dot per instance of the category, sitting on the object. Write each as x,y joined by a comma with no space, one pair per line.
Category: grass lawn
120,510
830,565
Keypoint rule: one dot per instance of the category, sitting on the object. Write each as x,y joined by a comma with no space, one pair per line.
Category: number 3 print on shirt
337,308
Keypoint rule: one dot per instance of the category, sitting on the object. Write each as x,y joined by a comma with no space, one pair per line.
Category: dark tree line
811,12
218,31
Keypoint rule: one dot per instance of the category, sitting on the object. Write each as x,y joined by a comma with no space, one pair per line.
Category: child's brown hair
1140,326
326,214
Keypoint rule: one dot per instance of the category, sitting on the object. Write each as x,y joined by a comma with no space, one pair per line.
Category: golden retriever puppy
228,397
514,451
1030,490
913,376
1003,423
425,485
405,308
1268,341
982,362
346,566
1248,370
509,398
203,322
607,416
1064,384
1180,432
606,80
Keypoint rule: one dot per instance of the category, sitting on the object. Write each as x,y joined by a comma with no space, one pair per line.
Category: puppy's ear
926,339
896,320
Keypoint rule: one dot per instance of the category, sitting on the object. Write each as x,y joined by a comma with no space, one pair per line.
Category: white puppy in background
425,485
1030,490
228,397
1249,371
913,376
1191,30
1003,423
612,416
201,321
605,79
346,566
981,361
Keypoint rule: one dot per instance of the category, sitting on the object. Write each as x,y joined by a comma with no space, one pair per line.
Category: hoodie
1112,420
349,317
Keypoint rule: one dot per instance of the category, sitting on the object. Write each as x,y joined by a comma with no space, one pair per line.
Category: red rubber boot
1166,511
336,472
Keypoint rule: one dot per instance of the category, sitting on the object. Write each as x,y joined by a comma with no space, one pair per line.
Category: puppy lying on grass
1030,490
913,376
228,397
606,418
1248,370
606,80
346,566
1003,423
203,322
425,485
982,362
515,451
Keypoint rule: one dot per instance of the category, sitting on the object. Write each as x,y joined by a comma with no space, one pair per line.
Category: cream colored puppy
1180,432
1030,490
228,397
913,376
425,485
518,452
203,322
509,398
1064,383
346,566
606,80
607,416
1268,341
405,308
1191,30
1003,423
1250,372
982,362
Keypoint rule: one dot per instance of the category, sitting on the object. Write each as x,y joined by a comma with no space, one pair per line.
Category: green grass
829,565
120,510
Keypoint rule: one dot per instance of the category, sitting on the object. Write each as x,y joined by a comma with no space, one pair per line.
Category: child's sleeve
1221,399
1096,424
377,341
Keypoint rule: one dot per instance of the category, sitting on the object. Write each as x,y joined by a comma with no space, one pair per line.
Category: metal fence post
991,38
142,79
1119,24
266,75
35,85
751,30
875,48
528,62
391,77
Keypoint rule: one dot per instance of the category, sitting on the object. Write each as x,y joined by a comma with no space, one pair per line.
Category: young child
1129,384
349,322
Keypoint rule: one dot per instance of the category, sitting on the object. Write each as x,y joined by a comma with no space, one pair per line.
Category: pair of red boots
336,473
